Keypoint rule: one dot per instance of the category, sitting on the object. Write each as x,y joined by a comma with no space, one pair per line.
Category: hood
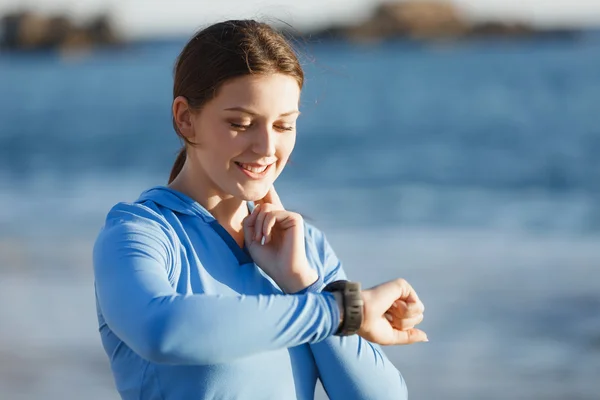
178,202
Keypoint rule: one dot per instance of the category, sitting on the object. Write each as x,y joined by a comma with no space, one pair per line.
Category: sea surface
471,169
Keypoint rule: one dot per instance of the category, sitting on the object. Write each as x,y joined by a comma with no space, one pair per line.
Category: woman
208,288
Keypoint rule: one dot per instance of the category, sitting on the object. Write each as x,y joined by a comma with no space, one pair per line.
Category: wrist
339,299
298,281
352,305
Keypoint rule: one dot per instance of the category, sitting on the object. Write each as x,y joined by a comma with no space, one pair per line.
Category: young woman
208,288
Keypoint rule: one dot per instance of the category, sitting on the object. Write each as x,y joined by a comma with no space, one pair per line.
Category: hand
275,240
391,312
272,198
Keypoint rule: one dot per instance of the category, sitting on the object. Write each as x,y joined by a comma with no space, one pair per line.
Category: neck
228,210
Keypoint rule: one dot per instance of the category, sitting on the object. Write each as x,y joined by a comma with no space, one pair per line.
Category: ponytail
178,164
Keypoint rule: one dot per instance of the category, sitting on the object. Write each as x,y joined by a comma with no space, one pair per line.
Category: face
245,135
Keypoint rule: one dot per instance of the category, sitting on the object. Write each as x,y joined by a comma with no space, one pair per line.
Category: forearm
200,329
353,368
350,367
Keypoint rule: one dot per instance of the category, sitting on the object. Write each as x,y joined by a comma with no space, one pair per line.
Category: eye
240,127
284,128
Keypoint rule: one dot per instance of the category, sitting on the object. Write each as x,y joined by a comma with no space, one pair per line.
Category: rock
426,20
414,19
29,31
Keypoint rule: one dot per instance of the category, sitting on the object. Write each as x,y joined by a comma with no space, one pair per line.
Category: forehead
272,93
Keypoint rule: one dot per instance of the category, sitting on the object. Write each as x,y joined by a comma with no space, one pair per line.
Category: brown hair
224,51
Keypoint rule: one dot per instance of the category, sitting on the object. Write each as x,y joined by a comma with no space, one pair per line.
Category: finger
260,221
391,291
404,323
248,231
249,224
415,308
401,308
268,225
251,219
272,198
411,296
275,200
288,220
409,336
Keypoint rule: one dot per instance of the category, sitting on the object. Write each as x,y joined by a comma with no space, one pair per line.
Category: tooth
256,170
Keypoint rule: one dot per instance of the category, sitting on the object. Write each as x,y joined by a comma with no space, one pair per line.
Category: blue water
471,169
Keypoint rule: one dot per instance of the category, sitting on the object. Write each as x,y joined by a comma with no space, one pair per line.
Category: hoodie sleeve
351,367
131,261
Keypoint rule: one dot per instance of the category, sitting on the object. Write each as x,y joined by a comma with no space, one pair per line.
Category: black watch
352,306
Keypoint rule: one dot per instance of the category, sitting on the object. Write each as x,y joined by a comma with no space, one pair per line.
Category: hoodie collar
175,201
179,202
183,204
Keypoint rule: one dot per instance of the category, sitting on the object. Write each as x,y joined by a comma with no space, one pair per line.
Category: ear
182,115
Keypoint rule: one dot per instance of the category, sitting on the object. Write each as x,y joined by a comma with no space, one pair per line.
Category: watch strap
352,305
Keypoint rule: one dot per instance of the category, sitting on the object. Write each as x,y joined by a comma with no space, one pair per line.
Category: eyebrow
247,111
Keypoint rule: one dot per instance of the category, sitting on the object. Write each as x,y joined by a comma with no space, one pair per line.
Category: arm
352,367
131,264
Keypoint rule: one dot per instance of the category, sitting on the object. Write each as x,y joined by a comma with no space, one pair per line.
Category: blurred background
455,144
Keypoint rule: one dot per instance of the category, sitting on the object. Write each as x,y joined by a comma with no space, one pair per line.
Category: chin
253,193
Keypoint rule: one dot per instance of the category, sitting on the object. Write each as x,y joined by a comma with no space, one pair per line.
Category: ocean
471,169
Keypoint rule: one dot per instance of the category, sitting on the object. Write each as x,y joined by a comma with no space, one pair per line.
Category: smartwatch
352,305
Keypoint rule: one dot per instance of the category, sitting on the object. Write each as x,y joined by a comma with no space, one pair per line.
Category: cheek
287,146
220,145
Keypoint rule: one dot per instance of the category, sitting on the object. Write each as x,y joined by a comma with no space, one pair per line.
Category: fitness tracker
352,305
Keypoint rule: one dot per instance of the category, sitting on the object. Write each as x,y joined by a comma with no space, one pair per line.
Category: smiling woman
208,287
249,127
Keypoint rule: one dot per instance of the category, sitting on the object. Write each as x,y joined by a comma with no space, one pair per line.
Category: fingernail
262,241
426,339
389,317
395,304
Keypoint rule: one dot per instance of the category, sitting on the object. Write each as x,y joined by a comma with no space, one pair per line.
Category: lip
254,175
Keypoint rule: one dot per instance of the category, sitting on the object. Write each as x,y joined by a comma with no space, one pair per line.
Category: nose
265,141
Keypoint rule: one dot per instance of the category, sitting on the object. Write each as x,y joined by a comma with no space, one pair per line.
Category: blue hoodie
184,313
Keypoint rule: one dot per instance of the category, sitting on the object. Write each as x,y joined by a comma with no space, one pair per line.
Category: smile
255,171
